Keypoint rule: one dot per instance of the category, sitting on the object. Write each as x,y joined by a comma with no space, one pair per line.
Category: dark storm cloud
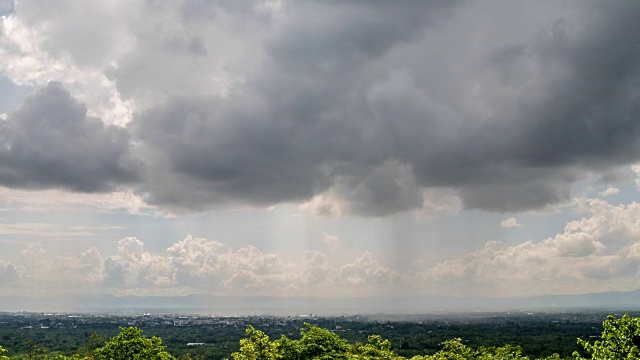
296,126
349,88
577,112
370,103
50,142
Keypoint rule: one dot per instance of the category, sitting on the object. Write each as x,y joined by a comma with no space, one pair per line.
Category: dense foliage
321,344
2,351
131,345
539,335
619,340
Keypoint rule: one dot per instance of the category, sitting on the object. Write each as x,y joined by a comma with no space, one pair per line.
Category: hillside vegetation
619,340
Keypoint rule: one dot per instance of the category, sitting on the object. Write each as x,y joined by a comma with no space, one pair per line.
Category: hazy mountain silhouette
231,305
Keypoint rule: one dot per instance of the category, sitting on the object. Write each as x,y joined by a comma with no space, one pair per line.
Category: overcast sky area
319,148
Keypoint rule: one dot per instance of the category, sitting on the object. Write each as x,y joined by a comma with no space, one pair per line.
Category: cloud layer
599,252
352,108
196,264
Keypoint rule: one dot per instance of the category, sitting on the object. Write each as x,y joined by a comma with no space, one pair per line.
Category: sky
319,148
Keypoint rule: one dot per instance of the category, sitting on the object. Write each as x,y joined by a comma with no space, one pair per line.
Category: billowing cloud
595,253
193,265
354,119
288,133
366,271
332,241
10,272
206,263
599,252
214,266
87,32
85,269
609,191
349,108
131,266
340,109
510,222
50,142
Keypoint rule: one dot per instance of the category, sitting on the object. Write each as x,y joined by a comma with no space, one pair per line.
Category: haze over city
325,149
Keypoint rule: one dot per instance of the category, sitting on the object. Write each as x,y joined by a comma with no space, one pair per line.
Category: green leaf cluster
322,344
454,349
620,340
2,351
314,343
130,344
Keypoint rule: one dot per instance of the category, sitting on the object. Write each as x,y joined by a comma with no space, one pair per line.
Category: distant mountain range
229,305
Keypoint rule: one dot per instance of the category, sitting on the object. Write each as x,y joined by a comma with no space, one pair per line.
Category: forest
619,339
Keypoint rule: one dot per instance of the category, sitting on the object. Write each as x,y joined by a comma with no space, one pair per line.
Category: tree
620,339
377,348
130,344
319,343
507,352
256,347
314,344
94,342
454,349
36,352
2,351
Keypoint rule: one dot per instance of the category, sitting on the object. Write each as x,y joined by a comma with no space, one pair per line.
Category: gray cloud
87,32
572,107
296,126
369,103
50,142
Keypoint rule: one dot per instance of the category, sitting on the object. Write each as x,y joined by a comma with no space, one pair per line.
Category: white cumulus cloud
510,222
609,191
589,251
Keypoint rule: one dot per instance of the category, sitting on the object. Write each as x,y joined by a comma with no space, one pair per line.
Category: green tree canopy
376,348
2,351
130,344
619,340
319,343
256,347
